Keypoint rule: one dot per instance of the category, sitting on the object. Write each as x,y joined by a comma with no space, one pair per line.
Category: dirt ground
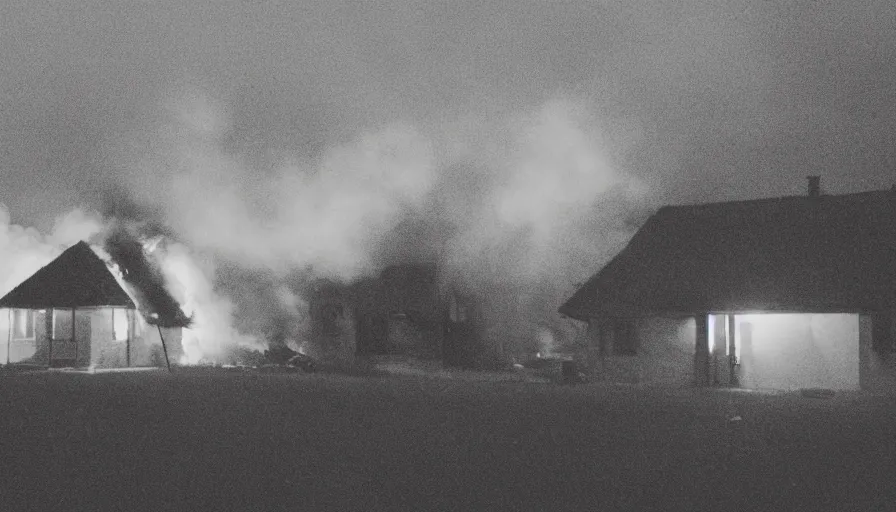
215,440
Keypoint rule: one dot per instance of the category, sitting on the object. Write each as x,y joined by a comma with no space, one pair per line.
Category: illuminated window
120,324
23,324
62,324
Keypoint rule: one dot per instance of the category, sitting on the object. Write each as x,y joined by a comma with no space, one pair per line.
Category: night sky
700,100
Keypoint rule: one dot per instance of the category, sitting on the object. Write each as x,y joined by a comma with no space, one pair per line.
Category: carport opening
785,351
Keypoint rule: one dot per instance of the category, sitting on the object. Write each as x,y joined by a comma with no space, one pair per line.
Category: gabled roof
76,278
827,253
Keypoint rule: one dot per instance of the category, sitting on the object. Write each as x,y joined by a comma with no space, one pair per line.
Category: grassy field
203,440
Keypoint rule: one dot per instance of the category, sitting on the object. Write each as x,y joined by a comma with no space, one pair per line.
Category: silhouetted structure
74,312
405,312
814,254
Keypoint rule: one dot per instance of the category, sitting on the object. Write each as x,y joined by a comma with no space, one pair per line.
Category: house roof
76,278
823,254
144,280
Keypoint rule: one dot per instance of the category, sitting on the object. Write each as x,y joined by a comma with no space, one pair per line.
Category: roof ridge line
777,198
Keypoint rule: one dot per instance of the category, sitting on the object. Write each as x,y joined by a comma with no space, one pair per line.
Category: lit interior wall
792,351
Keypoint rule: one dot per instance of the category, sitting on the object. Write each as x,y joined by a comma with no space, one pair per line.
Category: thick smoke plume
23,250
325,212
554,209
171,284
212,334
174,284
521,206
515,209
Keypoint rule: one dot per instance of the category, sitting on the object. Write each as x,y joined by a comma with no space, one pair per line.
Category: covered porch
74,313
747,349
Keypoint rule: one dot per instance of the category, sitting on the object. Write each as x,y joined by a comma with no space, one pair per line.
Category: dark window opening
883,334
331,315
624,339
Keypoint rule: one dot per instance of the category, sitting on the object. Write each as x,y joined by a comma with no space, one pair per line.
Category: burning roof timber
817,252
144,279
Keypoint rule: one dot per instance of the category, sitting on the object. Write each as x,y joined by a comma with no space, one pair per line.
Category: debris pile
281,356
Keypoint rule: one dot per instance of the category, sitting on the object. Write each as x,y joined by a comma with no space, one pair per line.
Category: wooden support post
49,324
128,314
74,340
868,367
701,353
164,349
732,352
114,335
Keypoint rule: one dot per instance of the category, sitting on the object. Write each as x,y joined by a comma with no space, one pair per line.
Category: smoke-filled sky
509,137
703,100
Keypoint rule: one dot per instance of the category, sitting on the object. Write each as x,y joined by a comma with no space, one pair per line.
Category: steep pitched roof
829,253
76,278
143,279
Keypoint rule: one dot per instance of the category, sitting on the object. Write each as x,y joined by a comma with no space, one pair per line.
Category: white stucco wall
665,354
13,350
782,351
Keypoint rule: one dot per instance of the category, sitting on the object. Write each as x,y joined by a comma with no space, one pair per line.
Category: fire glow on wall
120,324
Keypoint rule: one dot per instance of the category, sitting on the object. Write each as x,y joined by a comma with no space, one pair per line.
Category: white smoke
325,211
546,201
192,284
536,206
24,250
555,210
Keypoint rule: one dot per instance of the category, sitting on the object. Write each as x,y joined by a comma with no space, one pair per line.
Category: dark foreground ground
201,440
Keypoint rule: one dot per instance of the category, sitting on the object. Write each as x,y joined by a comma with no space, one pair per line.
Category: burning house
405,311
76,312
786,293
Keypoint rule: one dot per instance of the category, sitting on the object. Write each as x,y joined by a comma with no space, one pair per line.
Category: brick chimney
814,186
